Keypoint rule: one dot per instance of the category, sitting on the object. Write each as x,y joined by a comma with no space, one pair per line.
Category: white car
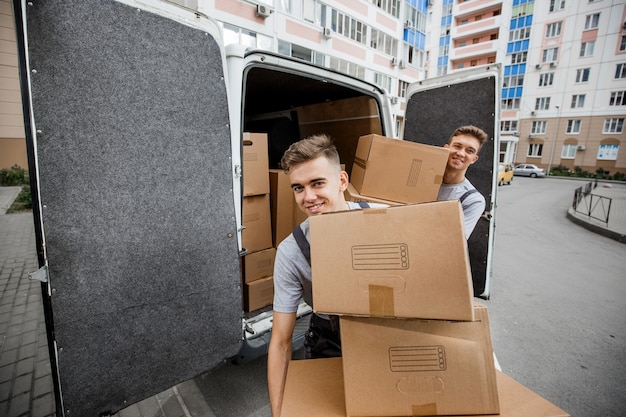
529,170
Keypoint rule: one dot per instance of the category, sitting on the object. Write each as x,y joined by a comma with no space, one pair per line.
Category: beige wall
12,143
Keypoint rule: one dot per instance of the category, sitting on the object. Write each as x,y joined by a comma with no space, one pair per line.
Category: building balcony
474,50
469,8
474,28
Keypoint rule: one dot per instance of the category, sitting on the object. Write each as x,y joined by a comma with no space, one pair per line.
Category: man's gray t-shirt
292,272
473,205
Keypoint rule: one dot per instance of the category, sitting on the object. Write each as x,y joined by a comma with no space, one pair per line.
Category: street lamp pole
556,129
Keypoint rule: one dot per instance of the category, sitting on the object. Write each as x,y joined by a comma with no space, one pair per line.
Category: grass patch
23,202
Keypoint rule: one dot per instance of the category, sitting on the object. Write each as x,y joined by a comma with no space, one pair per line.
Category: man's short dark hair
309,148
470,130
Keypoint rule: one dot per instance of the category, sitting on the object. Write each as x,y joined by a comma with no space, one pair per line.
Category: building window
519,34
550,55
384,42
402,87
568,152
510,104
519,58
539,127
620,71
383,81
592,20
513,81
622,44
553,30
578,101
390,6
582,75
546,80
542,103
508,126
347,67
614,125
608,152
556,5
618,98
348,27
535,149
586,48
573,126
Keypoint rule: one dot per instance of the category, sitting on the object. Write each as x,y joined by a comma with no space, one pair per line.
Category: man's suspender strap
304,244
467,193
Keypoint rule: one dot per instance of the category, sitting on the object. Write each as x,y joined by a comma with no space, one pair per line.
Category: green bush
13,176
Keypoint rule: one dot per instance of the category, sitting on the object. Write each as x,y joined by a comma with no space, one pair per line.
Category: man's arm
278,358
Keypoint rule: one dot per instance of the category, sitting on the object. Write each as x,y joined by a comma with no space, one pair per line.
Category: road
558,301
557,312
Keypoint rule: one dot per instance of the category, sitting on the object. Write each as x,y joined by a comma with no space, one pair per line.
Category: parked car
529,170
505,174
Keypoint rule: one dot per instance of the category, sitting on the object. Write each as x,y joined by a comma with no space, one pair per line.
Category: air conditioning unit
624,24
552,64
531,136
532,113
408,24
394,61
581,147
394,100
327,32
515,133
538,66
263,10
402,63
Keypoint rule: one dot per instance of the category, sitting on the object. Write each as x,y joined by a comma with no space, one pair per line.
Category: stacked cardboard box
258,288
398,170
315,388
414,343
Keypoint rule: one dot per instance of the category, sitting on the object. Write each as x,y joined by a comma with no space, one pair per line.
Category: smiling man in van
318,183
464,144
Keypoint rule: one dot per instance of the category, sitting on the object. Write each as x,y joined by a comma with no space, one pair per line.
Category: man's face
318,186
463,152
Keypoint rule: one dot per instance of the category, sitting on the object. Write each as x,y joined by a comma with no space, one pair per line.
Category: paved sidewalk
26,387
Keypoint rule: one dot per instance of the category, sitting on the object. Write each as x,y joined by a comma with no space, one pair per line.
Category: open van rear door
130,154
435,108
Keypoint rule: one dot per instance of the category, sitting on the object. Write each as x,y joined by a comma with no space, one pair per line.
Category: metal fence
594,206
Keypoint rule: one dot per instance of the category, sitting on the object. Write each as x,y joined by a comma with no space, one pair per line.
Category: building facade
564,61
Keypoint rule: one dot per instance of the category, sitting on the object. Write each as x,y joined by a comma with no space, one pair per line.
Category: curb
595,228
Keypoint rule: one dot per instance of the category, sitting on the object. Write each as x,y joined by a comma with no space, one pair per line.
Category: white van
135,113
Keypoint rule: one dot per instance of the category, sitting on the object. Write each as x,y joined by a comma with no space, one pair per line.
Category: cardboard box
258,265
258,294
405,261
255,164
314,388
408,367
398,170
351,194
256,219
285,212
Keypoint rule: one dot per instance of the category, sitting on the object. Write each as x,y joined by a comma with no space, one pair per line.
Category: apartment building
564,61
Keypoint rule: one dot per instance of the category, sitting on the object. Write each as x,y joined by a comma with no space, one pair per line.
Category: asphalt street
558,301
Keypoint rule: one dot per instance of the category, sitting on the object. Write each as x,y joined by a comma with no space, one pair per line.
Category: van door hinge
237,171
40,275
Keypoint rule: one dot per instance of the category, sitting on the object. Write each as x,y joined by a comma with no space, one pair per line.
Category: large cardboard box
314,388
405,261
351,194
259,264
258,294
255,164
285,212
408,367
256,219
398,170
